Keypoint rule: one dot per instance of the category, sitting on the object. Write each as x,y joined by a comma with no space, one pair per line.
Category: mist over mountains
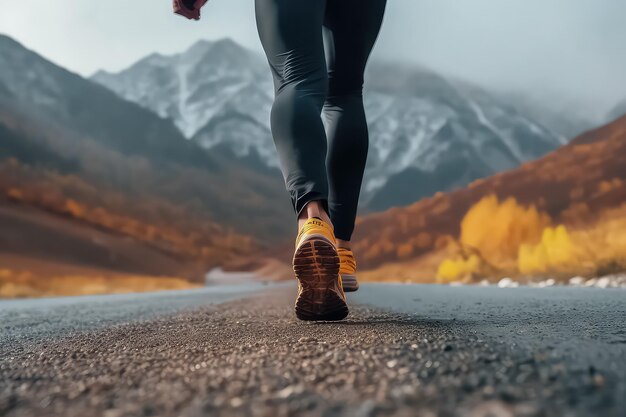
618,111
428,133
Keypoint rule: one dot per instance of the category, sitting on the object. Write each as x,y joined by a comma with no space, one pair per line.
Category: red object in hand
189,8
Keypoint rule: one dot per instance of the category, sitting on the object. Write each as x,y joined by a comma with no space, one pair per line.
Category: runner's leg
291,34
350,31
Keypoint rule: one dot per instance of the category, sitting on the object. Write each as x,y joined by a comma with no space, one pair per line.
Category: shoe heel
316,266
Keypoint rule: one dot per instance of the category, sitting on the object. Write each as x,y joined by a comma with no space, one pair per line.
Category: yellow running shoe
316,265
347,270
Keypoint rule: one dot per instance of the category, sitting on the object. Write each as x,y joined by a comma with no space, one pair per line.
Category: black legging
317,51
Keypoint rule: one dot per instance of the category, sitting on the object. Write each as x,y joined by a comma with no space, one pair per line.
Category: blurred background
136,155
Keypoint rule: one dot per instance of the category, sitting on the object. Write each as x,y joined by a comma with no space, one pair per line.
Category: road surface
405,350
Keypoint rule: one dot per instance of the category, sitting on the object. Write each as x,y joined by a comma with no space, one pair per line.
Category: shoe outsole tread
316,266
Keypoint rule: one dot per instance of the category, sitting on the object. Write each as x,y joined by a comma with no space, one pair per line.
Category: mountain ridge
406,107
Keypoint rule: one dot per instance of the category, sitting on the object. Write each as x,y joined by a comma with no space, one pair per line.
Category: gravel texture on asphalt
252,357
25,320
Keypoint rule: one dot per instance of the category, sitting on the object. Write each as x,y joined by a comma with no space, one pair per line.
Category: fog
568,53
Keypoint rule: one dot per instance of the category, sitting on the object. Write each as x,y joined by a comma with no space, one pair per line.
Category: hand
189,8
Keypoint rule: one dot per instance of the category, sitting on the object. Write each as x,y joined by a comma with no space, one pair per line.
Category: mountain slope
77,105
72,147
428,133
573,185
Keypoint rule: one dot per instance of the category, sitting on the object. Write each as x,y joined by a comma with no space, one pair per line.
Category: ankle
313,209
344,244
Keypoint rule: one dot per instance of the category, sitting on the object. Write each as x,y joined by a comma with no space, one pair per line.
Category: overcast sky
564,51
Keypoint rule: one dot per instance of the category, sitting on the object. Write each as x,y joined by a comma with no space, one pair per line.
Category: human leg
350,31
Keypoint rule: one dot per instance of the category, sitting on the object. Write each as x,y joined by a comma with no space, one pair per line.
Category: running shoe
347,270
316,266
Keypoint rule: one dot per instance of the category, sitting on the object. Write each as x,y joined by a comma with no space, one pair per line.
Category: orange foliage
586,250
161,224
496,230
457,268
523,243
555,252
609,185
423,240
405,251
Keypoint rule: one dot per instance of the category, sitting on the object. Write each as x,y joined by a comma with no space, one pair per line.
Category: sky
569,53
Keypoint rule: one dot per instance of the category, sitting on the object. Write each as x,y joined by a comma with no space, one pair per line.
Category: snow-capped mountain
195,86
428,133
432,134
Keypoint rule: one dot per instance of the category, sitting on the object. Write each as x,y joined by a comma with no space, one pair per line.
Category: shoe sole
349,283
316,266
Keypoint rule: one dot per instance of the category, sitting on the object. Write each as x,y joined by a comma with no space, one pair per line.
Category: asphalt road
405,350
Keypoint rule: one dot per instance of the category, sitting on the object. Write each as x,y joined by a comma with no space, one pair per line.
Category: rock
507,283
392,363
603,282
577,281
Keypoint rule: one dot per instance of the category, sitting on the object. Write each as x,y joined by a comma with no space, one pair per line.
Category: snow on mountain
428,133
431,134
194,86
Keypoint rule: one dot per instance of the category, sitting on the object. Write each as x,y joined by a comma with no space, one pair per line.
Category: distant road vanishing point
234,350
